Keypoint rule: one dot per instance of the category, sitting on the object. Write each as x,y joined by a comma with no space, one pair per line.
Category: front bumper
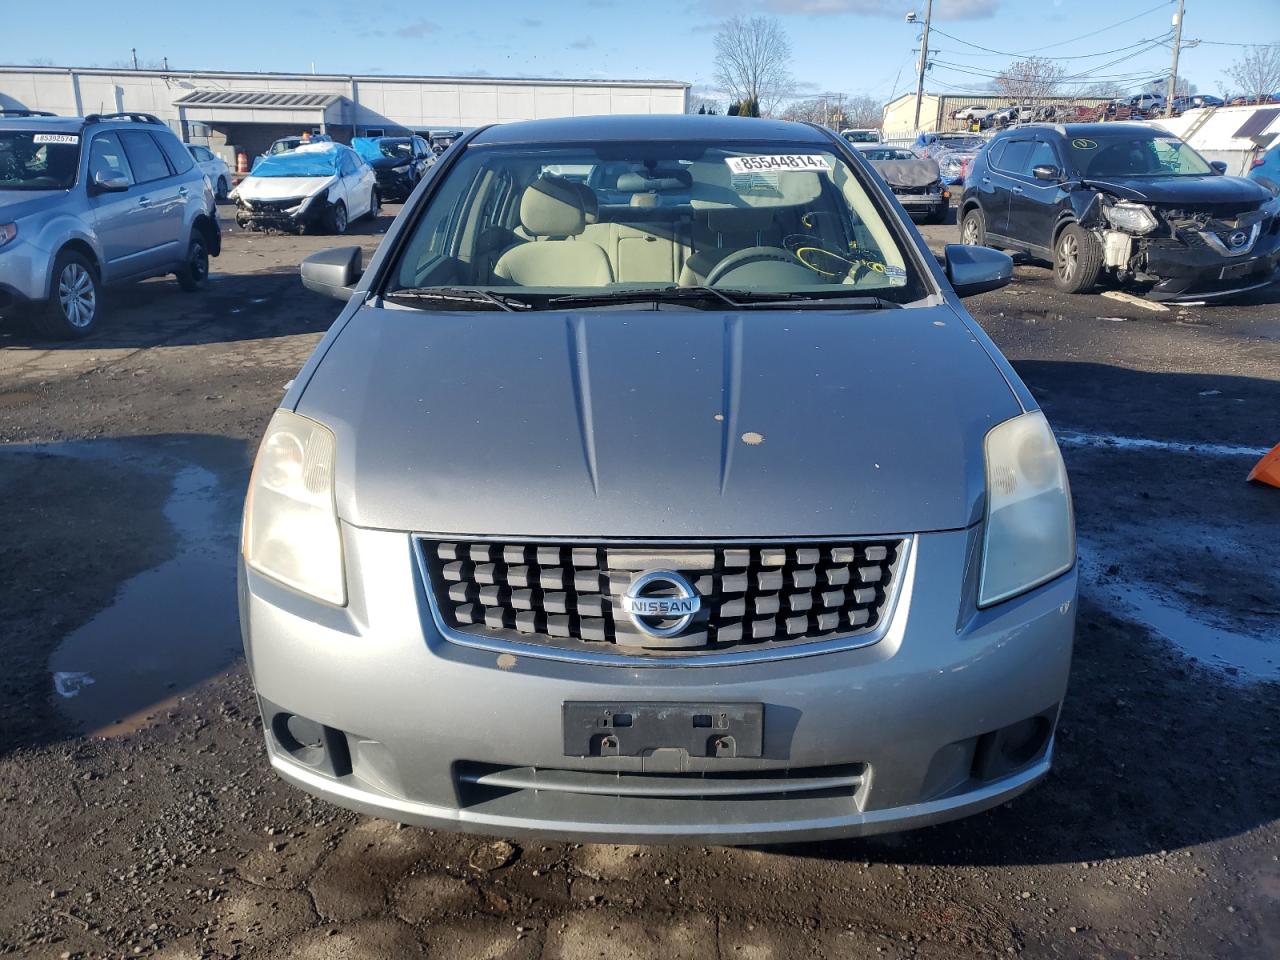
394,185
923,202
1183,271
24,274
271,218
422,729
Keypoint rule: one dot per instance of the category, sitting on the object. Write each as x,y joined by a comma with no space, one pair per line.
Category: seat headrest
638,183
590,202
553,207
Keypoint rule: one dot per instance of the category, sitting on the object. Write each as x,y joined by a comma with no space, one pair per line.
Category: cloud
586,43
943,9
417,29
530,22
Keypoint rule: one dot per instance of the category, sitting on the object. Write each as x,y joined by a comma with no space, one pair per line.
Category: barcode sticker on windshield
777,161
55,138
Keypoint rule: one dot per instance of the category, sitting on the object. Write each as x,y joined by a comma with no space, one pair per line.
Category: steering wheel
750,255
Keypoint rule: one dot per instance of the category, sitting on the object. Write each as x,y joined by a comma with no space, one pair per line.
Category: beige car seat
553,210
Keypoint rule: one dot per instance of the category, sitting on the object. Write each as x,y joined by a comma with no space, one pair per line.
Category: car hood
1183,190
907,173
671,423
22,203
281,188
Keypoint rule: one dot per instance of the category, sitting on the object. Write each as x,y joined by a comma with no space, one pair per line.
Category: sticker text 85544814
777,161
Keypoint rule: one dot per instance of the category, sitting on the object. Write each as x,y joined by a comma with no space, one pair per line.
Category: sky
857,47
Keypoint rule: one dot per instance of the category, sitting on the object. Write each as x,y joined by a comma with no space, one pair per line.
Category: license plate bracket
611,728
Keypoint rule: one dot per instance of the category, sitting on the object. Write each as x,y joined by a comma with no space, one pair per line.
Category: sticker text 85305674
777,161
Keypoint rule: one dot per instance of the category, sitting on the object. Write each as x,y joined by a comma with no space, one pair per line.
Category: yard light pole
1173,73
924,56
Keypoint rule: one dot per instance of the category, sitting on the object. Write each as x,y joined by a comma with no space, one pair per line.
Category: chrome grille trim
898,591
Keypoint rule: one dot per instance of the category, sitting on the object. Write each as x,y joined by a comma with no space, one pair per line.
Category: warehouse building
246,111
938,110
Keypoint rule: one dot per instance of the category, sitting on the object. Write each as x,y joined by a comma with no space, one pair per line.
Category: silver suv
91,201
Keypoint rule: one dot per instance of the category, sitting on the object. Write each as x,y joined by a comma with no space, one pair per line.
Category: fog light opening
1009,749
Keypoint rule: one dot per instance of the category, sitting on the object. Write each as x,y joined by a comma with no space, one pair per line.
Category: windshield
38,161
532,223
861,136
1136,155
299,163
960,143
400,147
888,153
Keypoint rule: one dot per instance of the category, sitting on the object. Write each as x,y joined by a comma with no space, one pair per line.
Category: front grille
273,206
752,595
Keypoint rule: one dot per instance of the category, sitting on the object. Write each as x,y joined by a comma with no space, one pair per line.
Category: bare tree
1257,73
753,61
1027,81
702,104
837,110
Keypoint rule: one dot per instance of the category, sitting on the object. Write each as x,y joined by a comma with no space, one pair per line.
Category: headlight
290,522
1030,534
7,232
1131,217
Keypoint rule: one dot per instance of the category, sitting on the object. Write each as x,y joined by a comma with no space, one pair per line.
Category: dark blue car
1266,169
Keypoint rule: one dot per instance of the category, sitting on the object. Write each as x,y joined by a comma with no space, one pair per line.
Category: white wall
402,101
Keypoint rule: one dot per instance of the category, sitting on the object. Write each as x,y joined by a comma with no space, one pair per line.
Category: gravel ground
138,816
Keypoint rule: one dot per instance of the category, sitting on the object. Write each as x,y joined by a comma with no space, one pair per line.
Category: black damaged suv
1127,202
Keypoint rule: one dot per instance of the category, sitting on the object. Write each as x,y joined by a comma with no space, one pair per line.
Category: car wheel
375,205
337,218
194,272
1077,260
973,229
222,189
71,311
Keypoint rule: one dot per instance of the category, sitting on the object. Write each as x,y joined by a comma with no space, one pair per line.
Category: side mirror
104,182
333,273
974,270
1219,166
1046,171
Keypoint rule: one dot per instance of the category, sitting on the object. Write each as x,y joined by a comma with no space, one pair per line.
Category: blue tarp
299,163
367,147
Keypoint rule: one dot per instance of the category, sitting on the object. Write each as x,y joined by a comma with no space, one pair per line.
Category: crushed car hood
670,423
1183,190
907,173
281,188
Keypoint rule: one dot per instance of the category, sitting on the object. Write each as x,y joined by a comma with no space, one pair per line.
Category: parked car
286,144
441,140
1147,104
1266,169
398,162
1195,101
723,523
319,187
213,167
1126,202
954,152
857,135
970,111
89,202
916,183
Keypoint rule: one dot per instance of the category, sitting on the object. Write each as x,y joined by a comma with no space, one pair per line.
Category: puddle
169,628
1255,656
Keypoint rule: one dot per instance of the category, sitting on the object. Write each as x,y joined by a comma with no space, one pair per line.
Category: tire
75,300
1077,260
375,205
221,190
193,275
335,220
973,228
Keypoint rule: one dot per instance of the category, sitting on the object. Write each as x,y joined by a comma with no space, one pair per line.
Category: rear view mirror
1046,171
974,270
107,182
333,273
1218,166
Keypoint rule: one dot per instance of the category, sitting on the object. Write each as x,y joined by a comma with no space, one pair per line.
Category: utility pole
924,62
134,51
1173,74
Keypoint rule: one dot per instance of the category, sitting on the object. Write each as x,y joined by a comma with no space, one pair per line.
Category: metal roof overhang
262,106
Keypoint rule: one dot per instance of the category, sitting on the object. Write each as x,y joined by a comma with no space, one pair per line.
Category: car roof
56,124
649,127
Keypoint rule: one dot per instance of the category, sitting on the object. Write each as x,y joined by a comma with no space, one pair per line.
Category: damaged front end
289,214
1181,251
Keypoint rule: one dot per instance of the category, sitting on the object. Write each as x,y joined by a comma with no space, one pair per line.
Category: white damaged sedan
317,187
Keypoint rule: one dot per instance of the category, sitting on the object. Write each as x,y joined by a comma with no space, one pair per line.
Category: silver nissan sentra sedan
655,485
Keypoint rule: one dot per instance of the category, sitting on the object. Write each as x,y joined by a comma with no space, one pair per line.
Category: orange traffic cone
1267,470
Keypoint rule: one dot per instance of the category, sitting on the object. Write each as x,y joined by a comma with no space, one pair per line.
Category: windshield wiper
462,295
735,298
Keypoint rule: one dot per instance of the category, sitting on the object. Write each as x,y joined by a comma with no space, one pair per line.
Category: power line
1078,56
1094,33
